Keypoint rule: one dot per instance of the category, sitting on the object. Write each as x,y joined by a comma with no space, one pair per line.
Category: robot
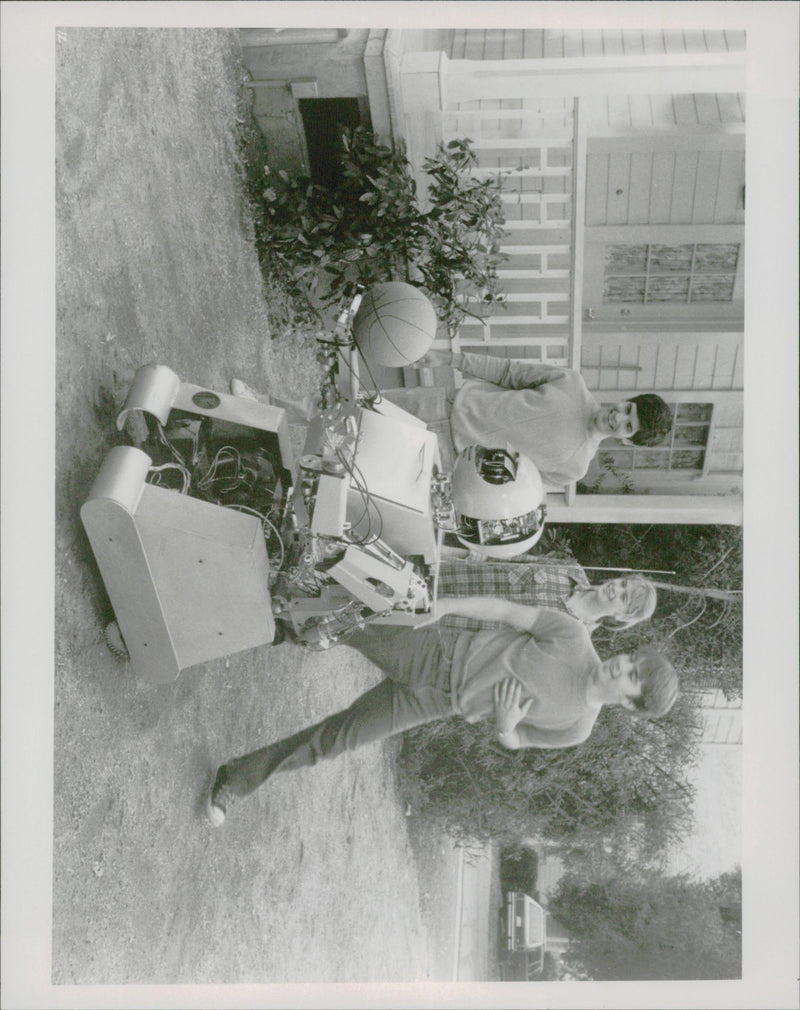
211,538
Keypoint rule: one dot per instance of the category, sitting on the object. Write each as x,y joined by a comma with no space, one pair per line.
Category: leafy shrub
628,771
518,870
652,926
702,636
319,243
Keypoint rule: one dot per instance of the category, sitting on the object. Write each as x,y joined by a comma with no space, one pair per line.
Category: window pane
670,258
712,289
622,459
687,460
623,289
668,289
652,459
694,412
626,259
695,434
718,258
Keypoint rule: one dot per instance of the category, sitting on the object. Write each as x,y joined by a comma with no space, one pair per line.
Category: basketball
395,324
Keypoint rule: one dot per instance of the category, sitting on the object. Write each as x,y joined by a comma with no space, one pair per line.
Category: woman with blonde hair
615,604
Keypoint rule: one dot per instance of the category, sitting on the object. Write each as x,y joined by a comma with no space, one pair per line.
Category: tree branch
730,595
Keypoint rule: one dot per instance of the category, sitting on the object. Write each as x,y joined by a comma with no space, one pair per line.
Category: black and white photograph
400,504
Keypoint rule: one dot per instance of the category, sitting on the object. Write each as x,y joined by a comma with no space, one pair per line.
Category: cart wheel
114,640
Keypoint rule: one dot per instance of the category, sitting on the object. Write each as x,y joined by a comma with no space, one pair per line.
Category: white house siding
669,187
683,368
533,43
464,83
722,719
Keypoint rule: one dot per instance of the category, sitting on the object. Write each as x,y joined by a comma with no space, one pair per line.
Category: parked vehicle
526,936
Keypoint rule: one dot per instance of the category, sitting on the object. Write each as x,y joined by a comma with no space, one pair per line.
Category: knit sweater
553,662
542,411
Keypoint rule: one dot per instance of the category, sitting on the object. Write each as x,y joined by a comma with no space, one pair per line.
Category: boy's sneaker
219,800
239,388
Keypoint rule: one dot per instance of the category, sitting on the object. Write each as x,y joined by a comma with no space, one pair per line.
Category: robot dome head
498,497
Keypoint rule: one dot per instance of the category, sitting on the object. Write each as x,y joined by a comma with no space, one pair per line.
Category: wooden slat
577,239
518,274
683,185
515,297
640,188
536,225
530,250
685,110
507,196
556,171
619,173
542,141
597,189
553,109
705,195
707,110
663,172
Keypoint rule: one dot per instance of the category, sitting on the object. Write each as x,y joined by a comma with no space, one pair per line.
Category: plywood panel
618,111
729,194
725,367
694,40
730,414
705,197
458,44
663,110
674,41
707,110
689,367
533,43
592,42
573,43
735,40
715,41
685,110
553,43
514,44
641,111
665,368
596,189
632,41
495,44
612,42
727,439
731,108
661,188
619,173
726,461
653,41
639,189
684,177
475,41
704,372
595,112
737,379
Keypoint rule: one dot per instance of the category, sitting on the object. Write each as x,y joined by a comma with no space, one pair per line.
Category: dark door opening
323,120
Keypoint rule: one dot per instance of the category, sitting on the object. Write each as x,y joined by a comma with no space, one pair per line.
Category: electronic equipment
207,531
497,498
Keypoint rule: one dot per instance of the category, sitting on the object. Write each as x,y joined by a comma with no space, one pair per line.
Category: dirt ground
315,877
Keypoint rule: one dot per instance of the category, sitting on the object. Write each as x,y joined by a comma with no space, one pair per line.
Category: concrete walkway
476,916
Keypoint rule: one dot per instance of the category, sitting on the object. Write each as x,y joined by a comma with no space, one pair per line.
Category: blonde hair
641,604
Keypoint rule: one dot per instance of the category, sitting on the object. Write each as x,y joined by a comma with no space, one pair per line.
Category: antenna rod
643,571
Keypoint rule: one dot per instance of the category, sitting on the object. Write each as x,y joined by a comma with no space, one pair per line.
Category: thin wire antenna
640,571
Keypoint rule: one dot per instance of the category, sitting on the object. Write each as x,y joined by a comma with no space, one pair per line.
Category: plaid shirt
535,583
